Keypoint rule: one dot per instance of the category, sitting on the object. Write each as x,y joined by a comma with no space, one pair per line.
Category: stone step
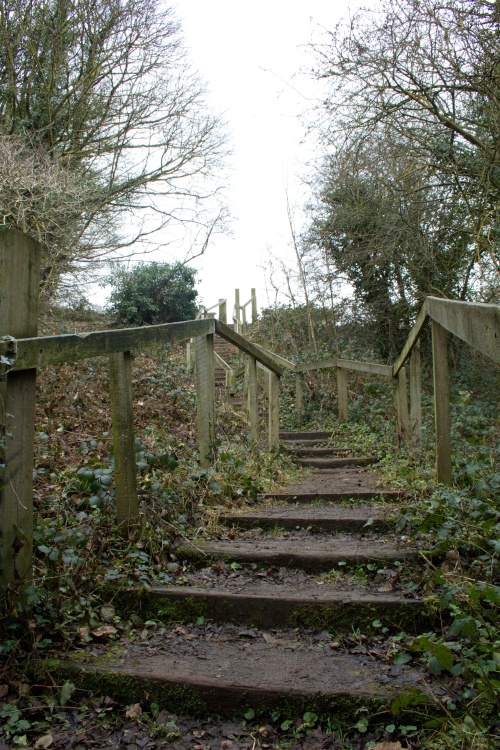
312,552
224,671
332,497
300,436
335,463
317,450
265,604
324,517
290,444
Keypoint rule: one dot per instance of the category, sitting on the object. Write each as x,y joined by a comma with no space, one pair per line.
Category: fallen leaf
388,746
107,613
4,689
269,639
134,712
104,630
44,742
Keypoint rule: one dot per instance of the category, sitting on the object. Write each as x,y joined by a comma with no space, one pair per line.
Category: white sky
250,54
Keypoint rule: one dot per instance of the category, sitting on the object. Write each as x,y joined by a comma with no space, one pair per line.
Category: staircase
226,350
269,613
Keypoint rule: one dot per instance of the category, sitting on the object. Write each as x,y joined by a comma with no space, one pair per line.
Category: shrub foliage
153,293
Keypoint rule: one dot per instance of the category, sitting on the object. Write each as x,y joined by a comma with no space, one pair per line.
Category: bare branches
103,93
409,197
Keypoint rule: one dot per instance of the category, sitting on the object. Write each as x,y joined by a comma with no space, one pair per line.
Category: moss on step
152,606
188,700
127,689
338,618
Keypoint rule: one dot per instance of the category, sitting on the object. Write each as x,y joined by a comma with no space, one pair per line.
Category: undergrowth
79,547
457,528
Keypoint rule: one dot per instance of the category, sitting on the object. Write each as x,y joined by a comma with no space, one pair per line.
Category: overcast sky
250,55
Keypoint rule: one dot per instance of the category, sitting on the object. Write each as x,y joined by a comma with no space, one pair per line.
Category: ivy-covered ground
79,550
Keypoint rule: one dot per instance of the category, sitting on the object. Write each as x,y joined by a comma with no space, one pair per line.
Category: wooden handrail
248,347
374,368
52,350
412,339
477,324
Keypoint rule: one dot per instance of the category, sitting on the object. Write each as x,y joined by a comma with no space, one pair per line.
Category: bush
153,293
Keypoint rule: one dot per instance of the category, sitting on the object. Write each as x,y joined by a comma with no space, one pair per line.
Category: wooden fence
477,324
22,352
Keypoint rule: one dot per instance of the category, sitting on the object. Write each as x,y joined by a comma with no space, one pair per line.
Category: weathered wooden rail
22,352
477,324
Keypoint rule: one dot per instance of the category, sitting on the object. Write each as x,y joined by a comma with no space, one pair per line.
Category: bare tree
429,74
100,96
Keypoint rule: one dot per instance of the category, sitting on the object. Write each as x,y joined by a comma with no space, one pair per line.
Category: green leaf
310,718
362,726
402,658
445,657
285,725
67,691
434,666
413,698
422,644
249,714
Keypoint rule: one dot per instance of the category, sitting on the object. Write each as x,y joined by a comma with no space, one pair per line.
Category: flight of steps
226,350
262,618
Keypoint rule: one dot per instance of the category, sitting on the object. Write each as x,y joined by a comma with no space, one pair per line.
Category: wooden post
237,310
252,398
222,311
416,394
274,422
299,394
401,398
231,382
122,417
265,381
205,398
254,306
342,397
245,386
19,285
188,355
441,402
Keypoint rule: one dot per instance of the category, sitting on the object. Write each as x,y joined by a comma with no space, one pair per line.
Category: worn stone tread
311,554
333,463
227,676
325,517
331,497
300,436
263,604
318,450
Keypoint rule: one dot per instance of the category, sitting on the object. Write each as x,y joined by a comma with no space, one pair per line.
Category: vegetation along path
272,593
